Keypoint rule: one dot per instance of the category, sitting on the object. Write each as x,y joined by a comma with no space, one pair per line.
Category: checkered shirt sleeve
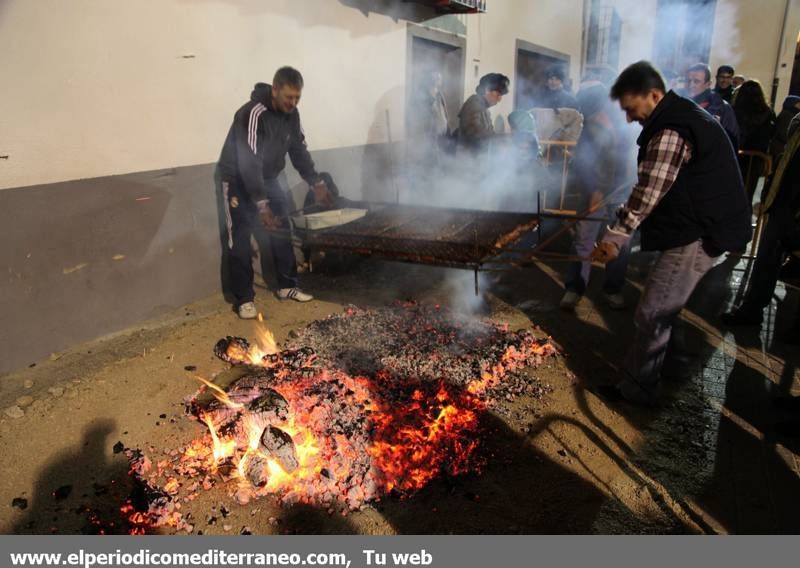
666,153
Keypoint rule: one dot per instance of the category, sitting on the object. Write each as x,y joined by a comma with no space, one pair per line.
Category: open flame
329,438
265,343
222,449
244,451
411,442
220,394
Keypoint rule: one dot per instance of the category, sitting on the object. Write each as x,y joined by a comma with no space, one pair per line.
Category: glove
268,219
605,251
322,195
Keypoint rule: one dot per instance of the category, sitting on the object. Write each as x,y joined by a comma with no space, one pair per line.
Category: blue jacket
715,105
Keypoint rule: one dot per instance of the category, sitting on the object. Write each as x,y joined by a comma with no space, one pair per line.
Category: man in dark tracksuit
264,130
690,205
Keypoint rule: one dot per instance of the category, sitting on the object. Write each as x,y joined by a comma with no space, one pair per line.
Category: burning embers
358,405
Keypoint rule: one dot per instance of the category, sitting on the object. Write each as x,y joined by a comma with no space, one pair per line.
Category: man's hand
322,195
269,219
605,251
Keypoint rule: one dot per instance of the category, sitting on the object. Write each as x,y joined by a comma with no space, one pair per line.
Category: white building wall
97,87
101,87
747,35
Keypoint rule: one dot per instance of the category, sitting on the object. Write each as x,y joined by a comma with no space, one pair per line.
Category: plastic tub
331,218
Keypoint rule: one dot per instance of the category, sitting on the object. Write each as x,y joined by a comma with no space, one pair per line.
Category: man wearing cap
555,96
264,130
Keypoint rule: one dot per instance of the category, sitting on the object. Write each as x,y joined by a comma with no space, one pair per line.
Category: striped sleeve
252,126
250,164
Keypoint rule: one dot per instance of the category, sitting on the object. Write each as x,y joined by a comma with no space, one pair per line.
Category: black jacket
726,94
257,143
707,200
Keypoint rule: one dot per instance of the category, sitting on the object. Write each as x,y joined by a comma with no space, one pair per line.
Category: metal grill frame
482,236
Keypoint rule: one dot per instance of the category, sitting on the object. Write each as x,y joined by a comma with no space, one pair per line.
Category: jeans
672,280
243,222
586,234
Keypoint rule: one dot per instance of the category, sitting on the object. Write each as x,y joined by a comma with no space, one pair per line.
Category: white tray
330,218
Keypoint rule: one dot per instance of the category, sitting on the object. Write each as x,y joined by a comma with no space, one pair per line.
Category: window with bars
605,32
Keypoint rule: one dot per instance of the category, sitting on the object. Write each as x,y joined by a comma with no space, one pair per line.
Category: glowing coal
357,406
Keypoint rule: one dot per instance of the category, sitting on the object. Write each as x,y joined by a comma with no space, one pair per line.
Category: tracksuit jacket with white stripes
257,143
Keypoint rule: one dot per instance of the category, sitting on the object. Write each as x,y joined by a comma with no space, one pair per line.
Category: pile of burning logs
357,406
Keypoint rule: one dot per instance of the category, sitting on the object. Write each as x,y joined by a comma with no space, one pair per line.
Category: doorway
432,51
532,65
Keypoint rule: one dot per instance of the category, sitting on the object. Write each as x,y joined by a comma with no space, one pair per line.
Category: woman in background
756,125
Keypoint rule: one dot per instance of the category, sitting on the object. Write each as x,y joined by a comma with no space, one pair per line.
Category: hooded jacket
257,143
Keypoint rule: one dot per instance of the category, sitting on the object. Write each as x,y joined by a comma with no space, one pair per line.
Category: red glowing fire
331,439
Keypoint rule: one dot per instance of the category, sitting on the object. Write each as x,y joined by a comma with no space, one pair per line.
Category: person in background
724,86
594,177
689,204
757,125
432,119
780,237
263,131
517,191
790,108
698,88
555,96
429,132
523,133
677,83
737,81
475,128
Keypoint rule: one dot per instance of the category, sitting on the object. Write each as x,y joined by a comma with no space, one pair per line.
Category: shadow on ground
81,491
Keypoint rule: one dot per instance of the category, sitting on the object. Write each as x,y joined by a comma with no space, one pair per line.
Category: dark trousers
242,222
779,229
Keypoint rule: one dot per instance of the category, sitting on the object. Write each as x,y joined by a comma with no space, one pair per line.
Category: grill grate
427,235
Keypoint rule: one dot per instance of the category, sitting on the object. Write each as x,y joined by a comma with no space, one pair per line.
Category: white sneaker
247,311
569,301
295,294
615,301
